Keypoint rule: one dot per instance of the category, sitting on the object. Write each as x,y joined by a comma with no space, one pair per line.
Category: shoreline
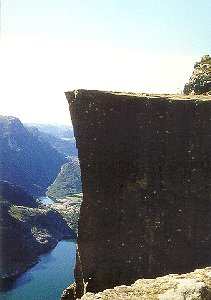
7,281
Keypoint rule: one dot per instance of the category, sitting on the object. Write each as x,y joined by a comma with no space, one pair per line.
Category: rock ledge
191,286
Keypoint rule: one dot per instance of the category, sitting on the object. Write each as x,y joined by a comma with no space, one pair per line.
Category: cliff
145,172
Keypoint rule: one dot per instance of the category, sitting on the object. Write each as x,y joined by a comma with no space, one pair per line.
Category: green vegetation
75,197
24,214
68,181
31,160
69,209
70,213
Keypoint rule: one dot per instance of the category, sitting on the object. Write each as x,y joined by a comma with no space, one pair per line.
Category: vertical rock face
145,176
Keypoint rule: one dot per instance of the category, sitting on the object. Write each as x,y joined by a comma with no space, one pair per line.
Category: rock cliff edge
145,173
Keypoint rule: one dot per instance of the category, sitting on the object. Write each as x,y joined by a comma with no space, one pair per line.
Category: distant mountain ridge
59,131
58,140
16,195
26,159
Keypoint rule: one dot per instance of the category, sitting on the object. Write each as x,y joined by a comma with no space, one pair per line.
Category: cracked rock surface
191,286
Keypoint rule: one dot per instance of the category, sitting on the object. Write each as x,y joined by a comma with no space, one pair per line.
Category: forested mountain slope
16,195
27,160
65,145
67,182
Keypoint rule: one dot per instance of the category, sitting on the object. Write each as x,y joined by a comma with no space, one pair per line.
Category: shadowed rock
145,172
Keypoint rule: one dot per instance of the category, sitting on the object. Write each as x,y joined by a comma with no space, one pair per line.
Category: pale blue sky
49,46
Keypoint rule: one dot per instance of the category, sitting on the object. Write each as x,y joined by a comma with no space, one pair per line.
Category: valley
48,278
30,224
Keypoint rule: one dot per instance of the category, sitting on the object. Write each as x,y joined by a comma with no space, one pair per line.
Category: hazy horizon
40,123
52,46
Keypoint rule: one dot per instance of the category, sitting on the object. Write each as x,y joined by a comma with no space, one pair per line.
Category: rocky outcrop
145,172
200,80
192,286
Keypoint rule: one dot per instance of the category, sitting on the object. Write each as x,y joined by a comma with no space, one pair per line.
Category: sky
52,46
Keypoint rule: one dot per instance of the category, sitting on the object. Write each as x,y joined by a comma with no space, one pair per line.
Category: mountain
64,145
67,182
25,234
26,159
200,80
16,195
59,131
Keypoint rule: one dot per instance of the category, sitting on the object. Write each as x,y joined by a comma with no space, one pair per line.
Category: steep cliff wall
145,175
